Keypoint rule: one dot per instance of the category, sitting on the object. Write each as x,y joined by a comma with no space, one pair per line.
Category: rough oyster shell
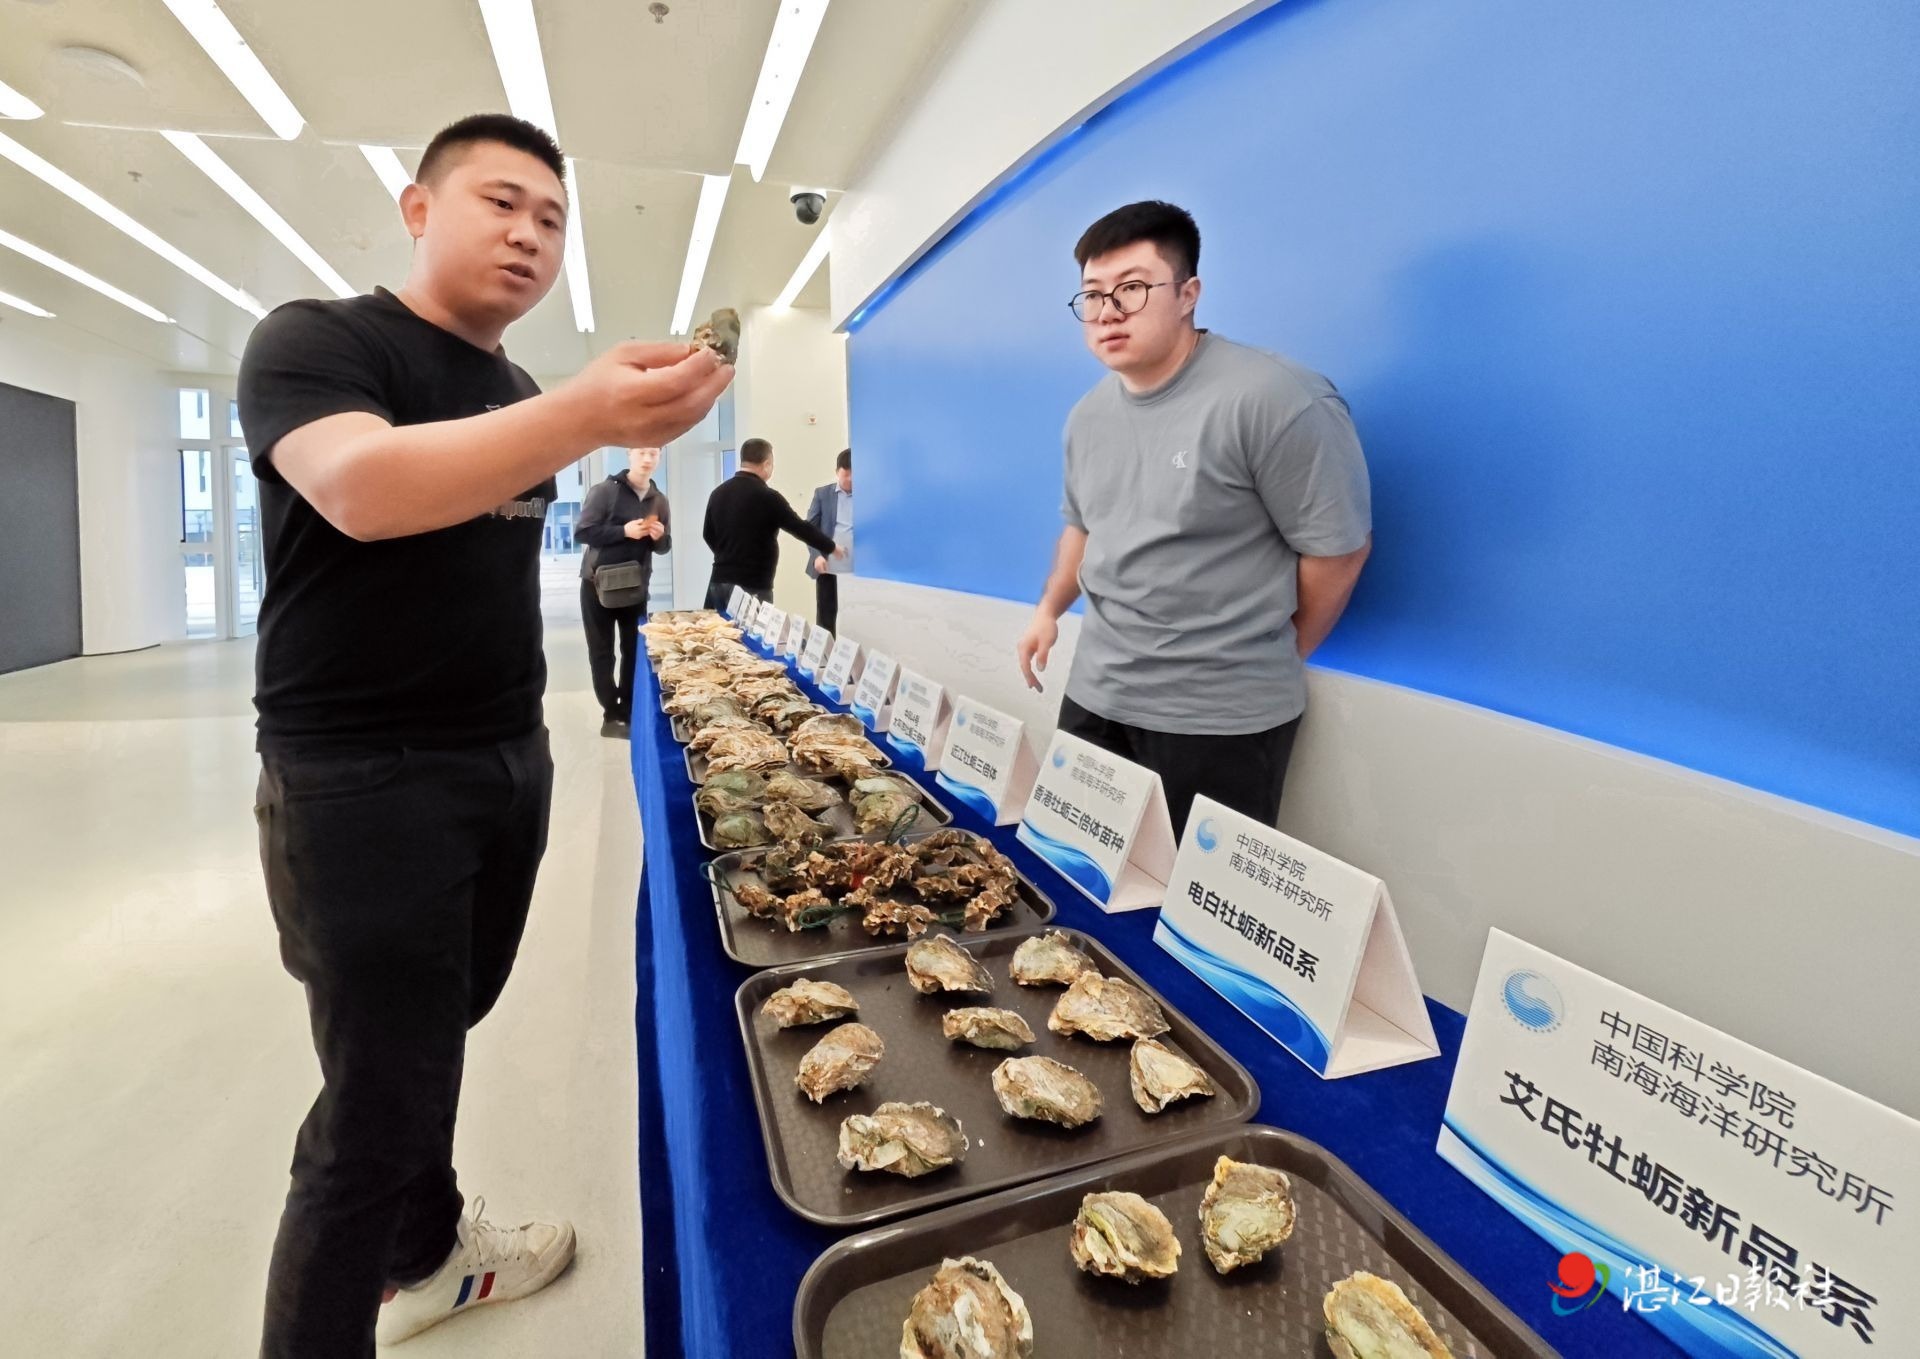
830,725
711,728
938,964
840,1061
732,790
790,825
1247,1211
967,1312
1160,1076
810,795
1124,1236
740,748
986,1027
809,1002
1368,1317
1041,1088
739,830
1050,959
720,333
904,1139
877,812
1106,1009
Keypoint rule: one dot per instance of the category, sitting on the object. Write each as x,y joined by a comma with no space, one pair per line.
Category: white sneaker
489,1264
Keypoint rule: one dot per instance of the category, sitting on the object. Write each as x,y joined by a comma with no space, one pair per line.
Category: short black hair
1171,229
843,460
490,127
755,451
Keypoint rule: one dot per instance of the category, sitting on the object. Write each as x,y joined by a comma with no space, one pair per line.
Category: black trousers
602,624
720,593
826,600
1246,773
399,880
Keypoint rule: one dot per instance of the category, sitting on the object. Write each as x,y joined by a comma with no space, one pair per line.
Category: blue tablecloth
723,1256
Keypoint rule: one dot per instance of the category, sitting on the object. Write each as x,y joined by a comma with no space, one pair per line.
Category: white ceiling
646,107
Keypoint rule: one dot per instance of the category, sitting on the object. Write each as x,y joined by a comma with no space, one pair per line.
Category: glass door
197,541
249,574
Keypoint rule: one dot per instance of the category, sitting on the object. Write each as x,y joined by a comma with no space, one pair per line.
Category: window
233,421
196,419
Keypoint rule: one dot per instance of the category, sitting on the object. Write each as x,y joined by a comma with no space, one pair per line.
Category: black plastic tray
802,1138
765,943
852,1302
840,820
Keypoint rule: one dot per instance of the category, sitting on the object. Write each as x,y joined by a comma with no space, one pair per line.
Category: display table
723,1257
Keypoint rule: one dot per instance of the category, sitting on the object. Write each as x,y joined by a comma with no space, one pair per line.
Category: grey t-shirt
1198,500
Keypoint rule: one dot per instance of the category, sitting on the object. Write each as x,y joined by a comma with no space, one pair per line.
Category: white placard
737,605
1741,1204
1307,947
814,654
748,607
988,763
920,718
795,634
768,624
842,665
1102,823
873,696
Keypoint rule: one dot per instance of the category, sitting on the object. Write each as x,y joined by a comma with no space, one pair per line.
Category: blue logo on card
1206,837
1533,1000
960,720
1059,759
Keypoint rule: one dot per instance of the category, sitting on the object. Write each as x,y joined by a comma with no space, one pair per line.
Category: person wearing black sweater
624,520
745,517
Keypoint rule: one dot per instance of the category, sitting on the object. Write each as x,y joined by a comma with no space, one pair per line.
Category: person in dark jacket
832,513
624,519
745,517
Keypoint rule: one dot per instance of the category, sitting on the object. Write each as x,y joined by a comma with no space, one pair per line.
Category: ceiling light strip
516,51
14,104
217,36
386,164
259,209
79,275
21,304
52,175
787,51
809,264
576,259
706,222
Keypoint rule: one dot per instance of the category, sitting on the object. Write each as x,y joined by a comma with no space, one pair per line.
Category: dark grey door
39,530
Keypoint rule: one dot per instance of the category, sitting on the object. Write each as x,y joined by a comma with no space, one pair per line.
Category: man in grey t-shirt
1217,516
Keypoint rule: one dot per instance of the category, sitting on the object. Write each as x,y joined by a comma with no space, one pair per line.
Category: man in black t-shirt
745,517
405,468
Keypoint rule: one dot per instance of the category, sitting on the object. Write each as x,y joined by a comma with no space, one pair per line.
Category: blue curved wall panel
1626,300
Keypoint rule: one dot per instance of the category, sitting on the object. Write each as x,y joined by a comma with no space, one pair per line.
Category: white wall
1784,925
792,391
132,585
1021,74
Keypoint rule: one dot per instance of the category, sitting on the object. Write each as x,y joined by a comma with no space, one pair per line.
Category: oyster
967,1312
1107,1008
809,1002
905,1139
689,699
873,785
939,964
733,790
1049,1091
1247,1211
804,908
786,713
739,830
790,825
1050,959
720,333
985,1027
708,730
809,795
832,748
1124,1236
741,748
754,899
884,916
875,813
1368,1317
1160,1076
828,725
840,1061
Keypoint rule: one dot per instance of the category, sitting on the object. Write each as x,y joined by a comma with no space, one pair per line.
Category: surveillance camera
807,205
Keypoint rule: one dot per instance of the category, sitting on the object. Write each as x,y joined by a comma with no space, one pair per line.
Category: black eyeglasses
1127,299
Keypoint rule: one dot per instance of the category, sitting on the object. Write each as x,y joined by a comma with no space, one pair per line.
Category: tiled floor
154,1060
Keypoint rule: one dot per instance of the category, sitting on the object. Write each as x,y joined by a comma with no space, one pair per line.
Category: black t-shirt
430,640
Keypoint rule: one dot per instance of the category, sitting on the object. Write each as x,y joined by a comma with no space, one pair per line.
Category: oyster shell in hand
809,1002
720,333
840,1061
1106,1009
938,964
1124,1236
1160,1076
1050,959
1368,1317
986,1027
904,1139
1049,1091
967,1312
1247,1211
